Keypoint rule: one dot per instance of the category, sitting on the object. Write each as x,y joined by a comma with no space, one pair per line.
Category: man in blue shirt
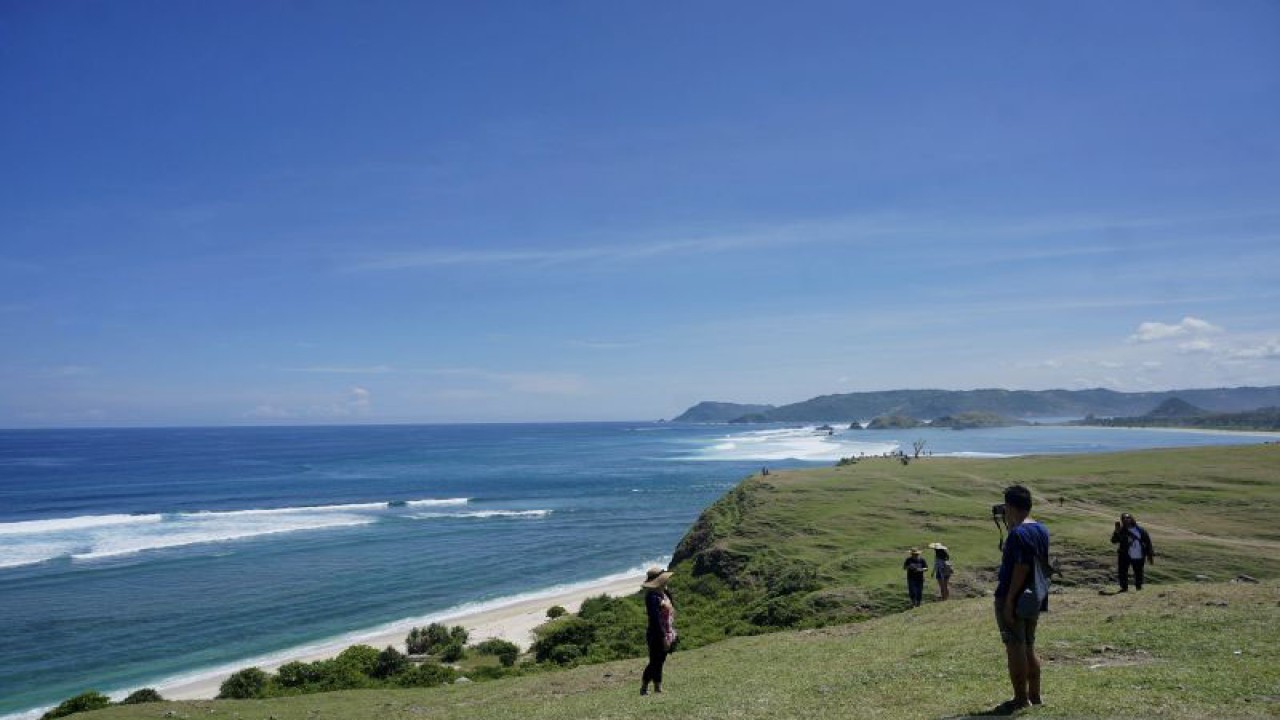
1027,544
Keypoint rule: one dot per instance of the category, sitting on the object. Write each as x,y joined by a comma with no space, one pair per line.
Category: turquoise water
130,556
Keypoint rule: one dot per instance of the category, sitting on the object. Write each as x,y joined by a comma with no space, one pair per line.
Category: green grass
1169,652
1210,511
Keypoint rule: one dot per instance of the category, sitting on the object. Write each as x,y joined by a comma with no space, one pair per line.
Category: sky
270,212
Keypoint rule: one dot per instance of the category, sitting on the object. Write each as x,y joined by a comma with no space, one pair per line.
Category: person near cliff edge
915,567
1022,593
1133,549
660,634
942,569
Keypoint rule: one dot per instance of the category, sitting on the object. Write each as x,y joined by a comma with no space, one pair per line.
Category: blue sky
314,212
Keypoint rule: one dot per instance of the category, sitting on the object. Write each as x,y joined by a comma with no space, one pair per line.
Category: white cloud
1269,350
268,412
1156,331
344,370
1196,346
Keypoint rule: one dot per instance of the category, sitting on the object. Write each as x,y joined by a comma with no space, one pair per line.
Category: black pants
915,588
1125,563
657,656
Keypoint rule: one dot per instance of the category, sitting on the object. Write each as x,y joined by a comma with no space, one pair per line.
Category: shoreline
512,618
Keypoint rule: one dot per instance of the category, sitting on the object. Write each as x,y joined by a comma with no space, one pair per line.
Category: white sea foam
796,443
481,514
93,537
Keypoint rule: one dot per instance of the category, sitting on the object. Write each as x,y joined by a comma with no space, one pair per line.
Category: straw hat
915,551
656,578
937,546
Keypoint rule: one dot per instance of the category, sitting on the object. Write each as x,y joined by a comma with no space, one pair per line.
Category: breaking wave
94,537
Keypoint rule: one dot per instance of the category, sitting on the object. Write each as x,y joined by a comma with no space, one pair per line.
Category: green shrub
296,674
362,658
458,634
570,632
91,700
244,684
336,674
453,652
506,651
145,695
390,662
427,674
556,611
433,638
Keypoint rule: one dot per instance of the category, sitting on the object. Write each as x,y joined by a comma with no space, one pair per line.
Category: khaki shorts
1023,632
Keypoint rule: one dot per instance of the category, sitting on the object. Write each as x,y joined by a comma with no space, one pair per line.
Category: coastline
510,619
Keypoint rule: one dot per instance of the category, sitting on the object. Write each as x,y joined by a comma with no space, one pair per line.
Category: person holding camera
915,567
1022,593
1133,548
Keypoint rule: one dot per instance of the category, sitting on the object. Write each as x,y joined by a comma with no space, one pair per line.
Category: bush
390,662
506,651
426,675
453,652
433,638
244,684
296,674
458,634
361,658
568,632
556,611
335,674
145,695
91,700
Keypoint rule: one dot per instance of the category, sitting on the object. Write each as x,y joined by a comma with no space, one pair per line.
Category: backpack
1033,596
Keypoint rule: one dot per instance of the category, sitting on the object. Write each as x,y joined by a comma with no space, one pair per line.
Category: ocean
132,556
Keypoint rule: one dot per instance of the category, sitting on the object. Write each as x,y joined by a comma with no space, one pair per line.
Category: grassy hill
817,548
1184,651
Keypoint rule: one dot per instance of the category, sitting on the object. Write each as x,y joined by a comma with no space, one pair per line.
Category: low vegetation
1186,651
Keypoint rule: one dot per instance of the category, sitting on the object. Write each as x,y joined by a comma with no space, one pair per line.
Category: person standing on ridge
660,612
942,569
1133,549
1024,566
915,567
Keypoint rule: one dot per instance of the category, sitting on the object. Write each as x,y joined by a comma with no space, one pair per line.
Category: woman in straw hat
942,568
661,632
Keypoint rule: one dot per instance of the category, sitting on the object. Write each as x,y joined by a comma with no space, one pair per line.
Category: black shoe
1123,590
1010,707
644,691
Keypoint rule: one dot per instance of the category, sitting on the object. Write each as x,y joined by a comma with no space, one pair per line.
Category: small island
975,419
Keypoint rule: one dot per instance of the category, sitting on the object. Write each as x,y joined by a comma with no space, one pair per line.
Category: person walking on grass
915,567
660,633
942,569
1024,566
1133,549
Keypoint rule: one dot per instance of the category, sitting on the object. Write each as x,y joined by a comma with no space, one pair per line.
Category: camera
997,511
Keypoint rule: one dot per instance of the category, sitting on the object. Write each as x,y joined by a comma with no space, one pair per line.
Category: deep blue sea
128,556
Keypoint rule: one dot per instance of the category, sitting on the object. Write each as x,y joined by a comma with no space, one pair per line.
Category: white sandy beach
514,621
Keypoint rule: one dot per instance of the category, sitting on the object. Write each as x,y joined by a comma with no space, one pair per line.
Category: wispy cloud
345,370
602,344
847,230
1156,331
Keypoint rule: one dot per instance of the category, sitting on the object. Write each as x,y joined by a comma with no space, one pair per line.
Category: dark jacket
1120,538
653,609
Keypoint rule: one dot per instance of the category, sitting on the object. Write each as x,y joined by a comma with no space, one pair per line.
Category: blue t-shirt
1024,544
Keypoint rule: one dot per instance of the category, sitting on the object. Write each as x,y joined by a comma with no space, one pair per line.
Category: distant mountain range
930,404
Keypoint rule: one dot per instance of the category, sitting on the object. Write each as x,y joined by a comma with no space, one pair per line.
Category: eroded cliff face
704,548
